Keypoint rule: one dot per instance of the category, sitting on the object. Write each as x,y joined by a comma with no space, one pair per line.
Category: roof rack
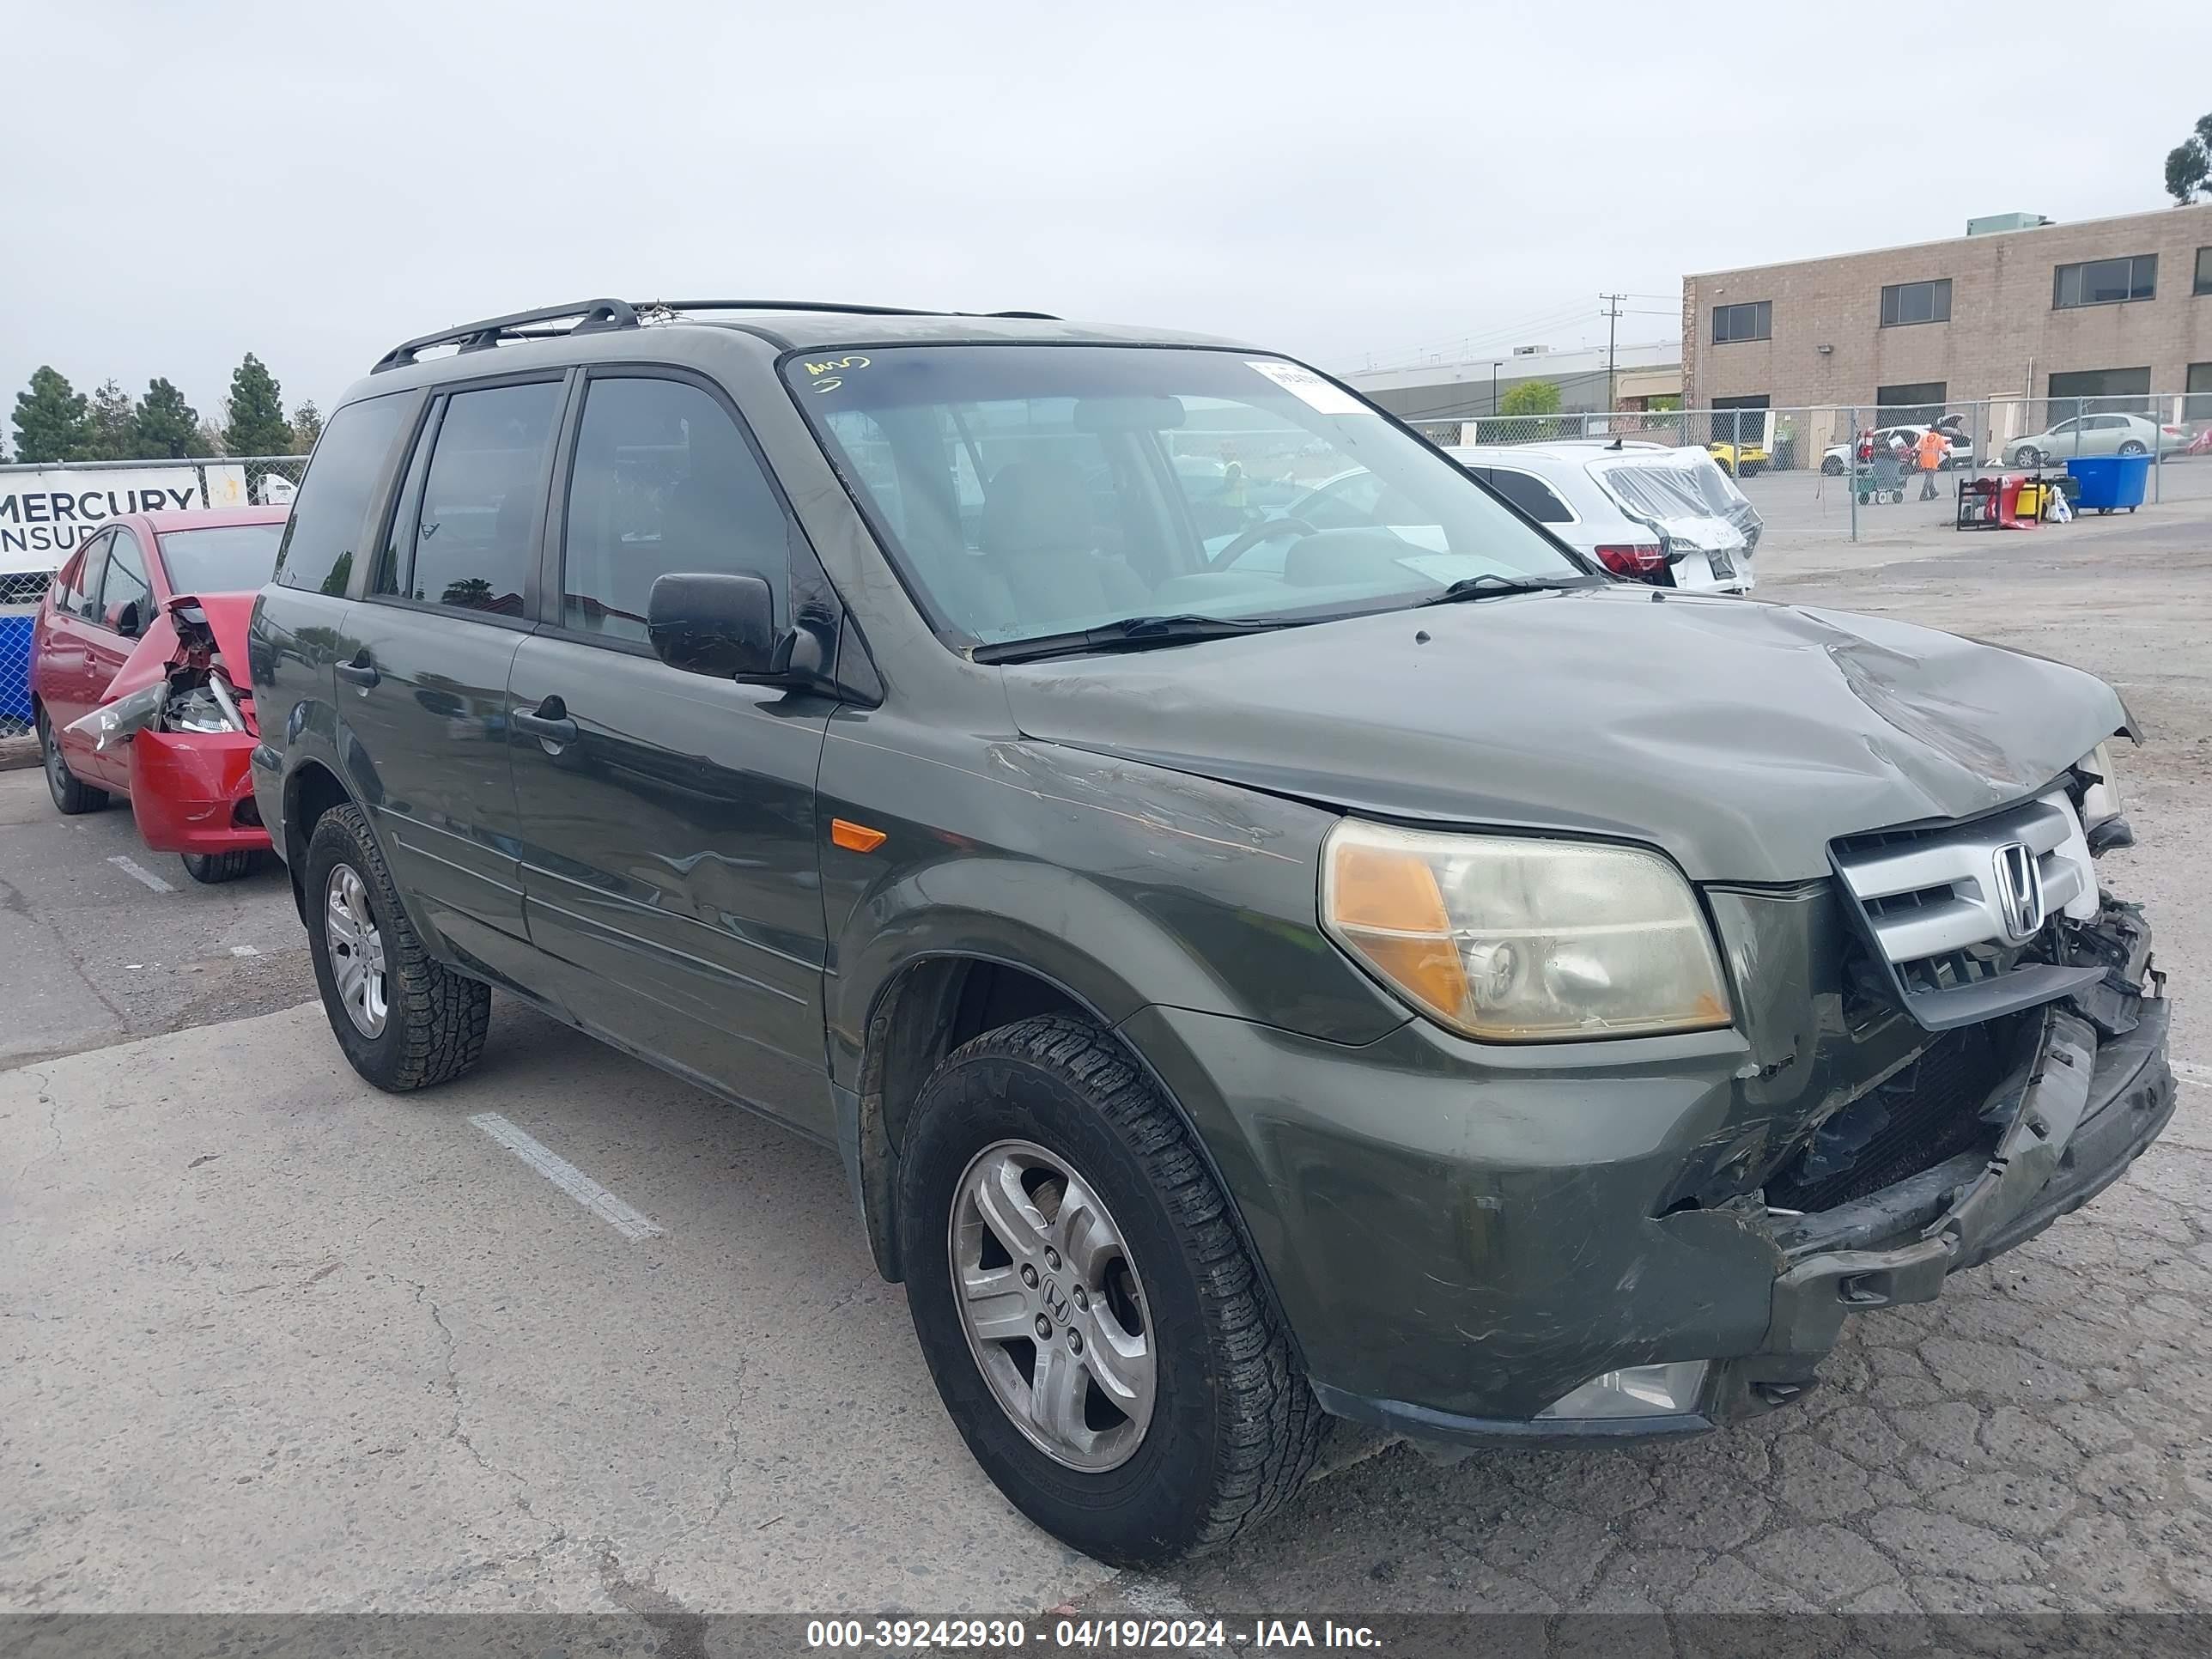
602,316
591,317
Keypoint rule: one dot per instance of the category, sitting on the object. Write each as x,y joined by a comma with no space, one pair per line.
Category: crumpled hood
1739,736
228,616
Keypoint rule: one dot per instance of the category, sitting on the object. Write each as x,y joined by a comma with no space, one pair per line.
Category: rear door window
474,538
664,482
1531,494
329,513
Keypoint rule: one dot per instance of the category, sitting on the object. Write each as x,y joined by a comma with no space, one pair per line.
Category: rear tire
1831,467
404,1021
2131,447
1231,1429
214,868
71,797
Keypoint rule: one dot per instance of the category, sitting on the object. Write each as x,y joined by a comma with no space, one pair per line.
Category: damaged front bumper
2084,1110
192,791
1489,1277
2066,1128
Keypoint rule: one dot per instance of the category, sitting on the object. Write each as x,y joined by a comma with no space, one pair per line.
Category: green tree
307,427
255,423
209,437
168,427
114,425
52,421
1530,398
2189,165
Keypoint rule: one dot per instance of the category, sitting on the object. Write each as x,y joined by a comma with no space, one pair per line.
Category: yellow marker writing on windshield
818,370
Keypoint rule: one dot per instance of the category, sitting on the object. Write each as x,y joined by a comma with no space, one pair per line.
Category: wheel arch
933,1003
312,788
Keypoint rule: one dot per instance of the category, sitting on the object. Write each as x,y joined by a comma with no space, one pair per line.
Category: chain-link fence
48,510
1853,473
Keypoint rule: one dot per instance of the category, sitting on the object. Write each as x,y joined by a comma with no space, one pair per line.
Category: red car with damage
138,679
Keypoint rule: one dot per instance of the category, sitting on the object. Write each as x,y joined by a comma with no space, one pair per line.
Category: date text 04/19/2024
1084,1635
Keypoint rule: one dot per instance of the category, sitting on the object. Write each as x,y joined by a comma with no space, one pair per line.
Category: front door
67,682
116,624
422,670
669,853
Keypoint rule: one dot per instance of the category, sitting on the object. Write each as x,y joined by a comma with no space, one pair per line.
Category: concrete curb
17,753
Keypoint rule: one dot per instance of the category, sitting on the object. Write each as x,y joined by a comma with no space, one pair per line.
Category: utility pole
1612,331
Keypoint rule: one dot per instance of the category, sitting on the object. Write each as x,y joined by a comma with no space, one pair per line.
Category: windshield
1033,491
230,558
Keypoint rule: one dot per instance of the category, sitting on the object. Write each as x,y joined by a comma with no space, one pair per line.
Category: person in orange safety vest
1931,449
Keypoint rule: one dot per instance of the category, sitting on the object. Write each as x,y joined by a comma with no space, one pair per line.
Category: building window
2204,270
2197,405
2094,392
1752,320
1915,302
1740,420
2104,281
1917,402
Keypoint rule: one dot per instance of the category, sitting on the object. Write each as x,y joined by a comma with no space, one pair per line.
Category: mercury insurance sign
45,512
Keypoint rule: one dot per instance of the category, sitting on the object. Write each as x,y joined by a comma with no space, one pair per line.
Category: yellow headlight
1509,939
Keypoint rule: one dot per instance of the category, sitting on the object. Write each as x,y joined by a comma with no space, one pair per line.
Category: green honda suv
1255,972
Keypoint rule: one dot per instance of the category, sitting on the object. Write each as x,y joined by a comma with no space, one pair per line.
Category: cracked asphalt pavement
270,1340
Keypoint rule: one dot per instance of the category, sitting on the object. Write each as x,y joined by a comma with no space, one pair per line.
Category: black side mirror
724,626
128,622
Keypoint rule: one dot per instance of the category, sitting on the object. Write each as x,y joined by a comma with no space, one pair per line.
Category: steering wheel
1250,537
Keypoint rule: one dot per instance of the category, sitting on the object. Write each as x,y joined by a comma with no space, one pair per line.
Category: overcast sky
1345,181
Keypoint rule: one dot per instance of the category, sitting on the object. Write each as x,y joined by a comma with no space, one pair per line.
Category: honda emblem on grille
2020,892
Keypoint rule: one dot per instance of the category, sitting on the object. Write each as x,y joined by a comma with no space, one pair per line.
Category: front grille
1933,904
1929,1112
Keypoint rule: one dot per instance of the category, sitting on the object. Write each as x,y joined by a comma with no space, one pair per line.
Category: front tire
1138,1400
214,868
1833,467
71,797
2027,455
404,1021
2131,447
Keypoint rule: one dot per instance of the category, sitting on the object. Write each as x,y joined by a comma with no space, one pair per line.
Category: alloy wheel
1051,1305
355,946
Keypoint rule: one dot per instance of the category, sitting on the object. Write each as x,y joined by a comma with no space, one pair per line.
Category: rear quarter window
1531,494
330,515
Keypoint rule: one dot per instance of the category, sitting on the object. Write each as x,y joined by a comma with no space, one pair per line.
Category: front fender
1063,927
1129,884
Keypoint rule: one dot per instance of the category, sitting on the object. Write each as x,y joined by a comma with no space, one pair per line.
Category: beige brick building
2118,307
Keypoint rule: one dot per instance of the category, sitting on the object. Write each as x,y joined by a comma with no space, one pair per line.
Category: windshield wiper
1491,584
1129,634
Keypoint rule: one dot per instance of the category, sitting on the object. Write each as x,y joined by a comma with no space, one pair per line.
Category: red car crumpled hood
228,615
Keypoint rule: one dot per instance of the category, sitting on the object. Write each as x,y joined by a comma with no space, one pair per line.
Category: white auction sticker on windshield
1310,389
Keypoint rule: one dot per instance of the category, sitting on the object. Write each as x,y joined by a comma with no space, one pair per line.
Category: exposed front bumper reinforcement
2068,1125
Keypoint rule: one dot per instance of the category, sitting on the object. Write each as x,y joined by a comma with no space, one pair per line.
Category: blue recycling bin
2109,482
16,671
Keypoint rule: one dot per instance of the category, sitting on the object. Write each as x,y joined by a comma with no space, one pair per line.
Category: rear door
669,859
2107,433
421,678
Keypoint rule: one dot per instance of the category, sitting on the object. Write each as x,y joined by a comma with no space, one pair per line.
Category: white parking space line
137,872
2190,1072
631,1224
